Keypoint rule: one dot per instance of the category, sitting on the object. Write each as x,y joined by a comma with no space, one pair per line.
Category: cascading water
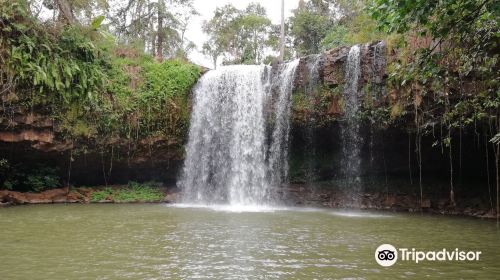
278,151
311,89
351,138
377,88
228,160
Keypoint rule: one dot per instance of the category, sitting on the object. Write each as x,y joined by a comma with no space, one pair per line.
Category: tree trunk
497,165
160,37
496,148
66,15
282,35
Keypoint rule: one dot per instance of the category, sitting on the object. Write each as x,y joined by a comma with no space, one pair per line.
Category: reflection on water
236,208
186,242
359,214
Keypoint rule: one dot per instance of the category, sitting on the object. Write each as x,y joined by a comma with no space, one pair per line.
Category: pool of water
153,241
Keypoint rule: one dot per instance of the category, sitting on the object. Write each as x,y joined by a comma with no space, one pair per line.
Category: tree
318,25
71,11
282,31
158,26
254,26
221,32
352,25
240,36
274,42
65,11
213,50
309,25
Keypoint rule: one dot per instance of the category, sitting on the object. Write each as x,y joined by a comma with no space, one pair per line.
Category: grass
133,192
101,195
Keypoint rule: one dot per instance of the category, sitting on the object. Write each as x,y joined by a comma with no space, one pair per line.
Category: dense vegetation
98,92
133,192
447,74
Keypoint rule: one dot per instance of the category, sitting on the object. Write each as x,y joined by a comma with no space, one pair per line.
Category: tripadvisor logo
387,255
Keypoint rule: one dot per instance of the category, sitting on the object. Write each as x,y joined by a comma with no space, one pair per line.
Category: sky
206,9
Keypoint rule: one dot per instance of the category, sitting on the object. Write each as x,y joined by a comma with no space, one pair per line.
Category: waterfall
278,151
229,159
351,138
311,90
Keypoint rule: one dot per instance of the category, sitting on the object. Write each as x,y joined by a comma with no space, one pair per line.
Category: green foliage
7,179
309,26
454,80
139,192
322,25
93,88
164,99
435,18
101,195
336,37
169,79
42,178
96,23
133,192
313,108
28,178
63,66
238,35
157,26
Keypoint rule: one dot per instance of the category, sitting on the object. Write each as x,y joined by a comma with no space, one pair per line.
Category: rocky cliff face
389,160
30,139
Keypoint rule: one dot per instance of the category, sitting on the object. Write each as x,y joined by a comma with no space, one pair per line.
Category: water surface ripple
183,242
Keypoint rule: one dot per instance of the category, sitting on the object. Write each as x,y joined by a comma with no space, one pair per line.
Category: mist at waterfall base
238,138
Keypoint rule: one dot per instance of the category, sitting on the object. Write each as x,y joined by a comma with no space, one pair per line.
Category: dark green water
162,242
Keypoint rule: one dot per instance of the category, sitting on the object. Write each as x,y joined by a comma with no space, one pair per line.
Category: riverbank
326,196
296,195
131,193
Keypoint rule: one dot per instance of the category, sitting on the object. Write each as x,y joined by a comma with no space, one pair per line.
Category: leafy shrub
42,178
101,195
133,192
60,65
28,178
7,179
138,192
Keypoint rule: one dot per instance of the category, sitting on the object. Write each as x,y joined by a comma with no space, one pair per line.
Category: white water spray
351,138
228,160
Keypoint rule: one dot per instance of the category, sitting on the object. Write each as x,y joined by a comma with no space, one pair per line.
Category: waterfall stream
229,159
351,138
278,151
311,90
